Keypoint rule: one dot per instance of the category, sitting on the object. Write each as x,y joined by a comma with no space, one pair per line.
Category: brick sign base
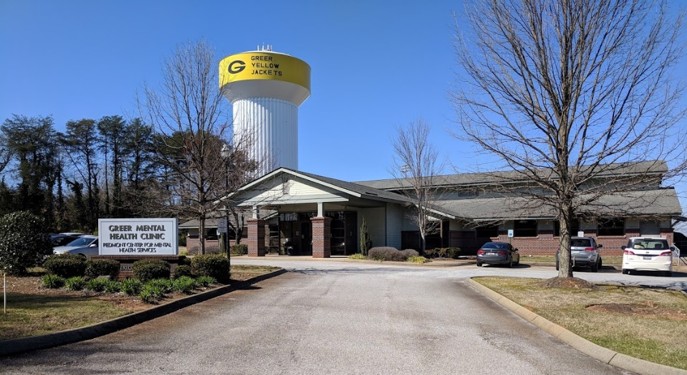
126,262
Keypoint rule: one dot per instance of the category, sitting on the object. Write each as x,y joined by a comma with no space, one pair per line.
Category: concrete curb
605,355
26,344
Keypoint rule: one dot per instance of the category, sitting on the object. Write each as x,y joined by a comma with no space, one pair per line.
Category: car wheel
595,267
510,263
479,264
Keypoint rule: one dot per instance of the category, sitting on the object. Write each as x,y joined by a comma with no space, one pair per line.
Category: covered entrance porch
298,213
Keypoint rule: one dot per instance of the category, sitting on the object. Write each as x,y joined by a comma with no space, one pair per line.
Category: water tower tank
265,89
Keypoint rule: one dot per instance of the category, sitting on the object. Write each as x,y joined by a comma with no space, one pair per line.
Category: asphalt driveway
328,318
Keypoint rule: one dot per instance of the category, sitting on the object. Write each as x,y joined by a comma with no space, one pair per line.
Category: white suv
648,254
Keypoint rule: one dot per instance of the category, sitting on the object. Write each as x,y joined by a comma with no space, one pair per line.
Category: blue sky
375,66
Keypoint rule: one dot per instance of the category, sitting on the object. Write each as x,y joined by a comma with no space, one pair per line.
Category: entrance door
306,238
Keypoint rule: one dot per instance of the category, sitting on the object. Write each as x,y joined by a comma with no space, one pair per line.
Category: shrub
213,265
184,284
239,249
97,285
181,271
102,267
383,253
23,243
150,293
66,265
443,252
205,281
164,285
184,260
131,287
357,256
407,253
418,259
113,286
453,252
53,281
75,283
150,269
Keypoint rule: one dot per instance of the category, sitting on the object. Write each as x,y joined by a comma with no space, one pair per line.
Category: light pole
225,153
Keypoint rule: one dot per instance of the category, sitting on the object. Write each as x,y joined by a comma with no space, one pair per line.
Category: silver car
584,252
85,246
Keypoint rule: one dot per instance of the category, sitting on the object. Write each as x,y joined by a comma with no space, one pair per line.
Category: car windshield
81,241
649,244
580,242
495,245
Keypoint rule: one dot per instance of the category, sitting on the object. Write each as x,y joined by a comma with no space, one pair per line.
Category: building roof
657,167
659,202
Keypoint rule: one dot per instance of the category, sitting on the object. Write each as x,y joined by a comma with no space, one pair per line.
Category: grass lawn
650,324
33,310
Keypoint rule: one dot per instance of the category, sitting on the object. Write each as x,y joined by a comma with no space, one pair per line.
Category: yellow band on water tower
264,66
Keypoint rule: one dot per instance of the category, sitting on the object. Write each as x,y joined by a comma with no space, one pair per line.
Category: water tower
265,89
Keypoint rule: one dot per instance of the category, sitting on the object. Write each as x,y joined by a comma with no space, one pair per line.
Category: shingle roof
617,169
660,202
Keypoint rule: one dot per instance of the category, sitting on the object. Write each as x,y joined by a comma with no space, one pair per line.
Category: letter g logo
236,66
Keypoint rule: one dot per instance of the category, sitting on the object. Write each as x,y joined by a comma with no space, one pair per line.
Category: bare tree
187,111
569,92
415,167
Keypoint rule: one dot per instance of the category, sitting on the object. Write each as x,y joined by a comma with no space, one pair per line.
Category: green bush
165,285
150,293
184,260
213,265
357,256
184,284
113,286
150,269
205,281
76,283
23,242
97,285
66,265
102,267
239,249
182,270
52,281
131,287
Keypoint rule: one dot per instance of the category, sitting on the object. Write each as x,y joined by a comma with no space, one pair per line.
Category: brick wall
321,237
547,244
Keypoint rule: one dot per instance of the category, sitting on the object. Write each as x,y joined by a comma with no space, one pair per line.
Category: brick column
256,238
321,237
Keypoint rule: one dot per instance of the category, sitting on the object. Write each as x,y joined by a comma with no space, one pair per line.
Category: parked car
584,252
61,239
85,245
648,254
498,253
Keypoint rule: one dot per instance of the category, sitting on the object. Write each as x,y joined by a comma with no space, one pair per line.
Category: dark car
584,252
498,253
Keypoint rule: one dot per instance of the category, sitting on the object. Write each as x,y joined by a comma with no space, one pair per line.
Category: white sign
137,236
222,225
580,233
510,233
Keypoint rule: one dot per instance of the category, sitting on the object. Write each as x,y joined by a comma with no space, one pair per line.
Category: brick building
301,213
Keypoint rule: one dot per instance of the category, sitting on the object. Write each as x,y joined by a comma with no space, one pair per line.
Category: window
487,231
611,227
572,230
525,228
